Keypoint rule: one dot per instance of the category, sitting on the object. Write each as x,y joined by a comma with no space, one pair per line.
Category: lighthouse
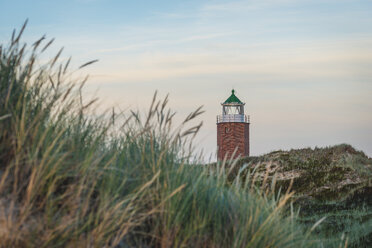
232,129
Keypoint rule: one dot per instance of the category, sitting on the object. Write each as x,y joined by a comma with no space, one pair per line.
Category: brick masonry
231,135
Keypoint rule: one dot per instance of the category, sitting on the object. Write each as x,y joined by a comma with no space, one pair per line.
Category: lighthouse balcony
232,118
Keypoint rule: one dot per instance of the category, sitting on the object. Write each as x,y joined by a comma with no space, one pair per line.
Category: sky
303,67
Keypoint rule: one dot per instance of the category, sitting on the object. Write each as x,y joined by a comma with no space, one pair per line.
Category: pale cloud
241,6
152,43
322,60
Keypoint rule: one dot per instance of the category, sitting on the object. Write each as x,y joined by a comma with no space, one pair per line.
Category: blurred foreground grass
69,178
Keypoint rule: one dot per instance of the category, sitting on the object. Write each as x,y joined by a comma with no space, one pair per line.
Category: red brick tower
232,129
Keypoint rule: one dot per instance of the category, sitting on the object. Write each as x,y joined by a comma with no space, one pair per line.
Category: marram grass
68,179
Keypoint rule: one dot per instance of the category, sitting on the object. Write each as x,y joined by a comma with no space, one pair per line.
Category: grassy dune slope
333,182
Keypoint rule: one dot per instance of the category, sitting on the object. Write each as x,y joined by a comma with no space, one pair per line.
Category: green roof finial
233,98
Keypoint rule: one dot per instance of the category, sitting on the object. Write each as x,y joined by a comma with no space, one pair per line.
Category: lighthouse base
231,136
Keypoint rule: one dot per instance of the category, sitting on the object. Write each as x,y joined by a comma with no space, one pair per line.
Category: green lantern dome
233,98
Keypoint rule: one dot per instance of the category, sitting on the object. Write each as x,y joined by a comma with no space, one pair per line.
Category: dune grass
331,182
69,178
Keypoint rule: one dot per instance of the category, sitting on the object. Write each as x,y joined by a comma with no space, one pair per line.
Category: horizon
301,67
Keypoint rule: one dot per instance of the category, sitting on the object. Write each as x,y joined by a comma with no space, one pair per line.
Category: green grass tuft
72,179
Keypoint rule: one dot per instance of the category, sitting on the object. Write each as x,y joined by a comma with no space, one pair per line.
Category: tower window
226,130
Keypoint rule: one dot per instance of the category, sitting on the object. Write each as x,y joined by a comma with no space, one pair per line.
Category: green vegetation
69,178
333,182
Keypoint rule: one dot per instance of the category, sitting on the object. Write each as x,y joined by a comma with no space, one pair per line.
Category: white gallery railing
233,118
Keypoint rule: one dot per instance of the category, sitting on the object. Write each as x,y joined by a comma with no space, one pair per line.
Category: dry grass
122,180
